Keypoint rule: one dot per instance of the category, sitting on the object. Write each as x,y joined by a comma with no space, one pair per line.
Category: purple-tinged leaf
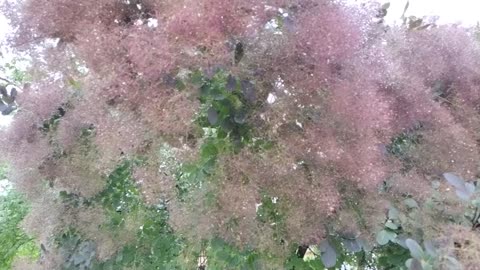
328,254
415,249
454,180
414,264
248,90
463,194
9,110
3,90
212,116
13,93
470,188
231,83
429,248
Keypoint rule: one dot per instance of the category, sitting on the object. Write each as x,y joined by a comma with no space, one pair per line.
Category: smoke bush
329,104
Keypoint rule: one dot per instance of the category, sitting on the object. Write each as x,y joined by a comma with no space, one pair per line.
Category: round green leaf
393,213
410,203
240,117
384,236
391,225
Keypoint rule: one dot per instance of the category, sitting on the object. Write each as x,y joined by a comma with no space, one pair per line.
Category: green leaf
410,203
393,213
415,249
389,224
197,78
209,150
240,117
385,236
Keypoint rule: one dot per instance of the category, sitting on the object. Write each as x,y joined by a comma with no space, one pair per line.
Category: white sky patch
271,98
464,12
257,206
152,23
298,124
5,186
273,26
138,22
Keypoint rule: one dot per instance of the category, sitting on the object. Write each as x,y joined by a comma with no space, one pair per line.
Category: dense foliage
212,134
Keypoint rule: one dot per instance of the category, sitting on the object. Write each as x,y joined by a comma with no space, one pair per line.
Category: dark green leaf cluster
52,123
227,103
222,255
156,245
121,195
402,146
77,254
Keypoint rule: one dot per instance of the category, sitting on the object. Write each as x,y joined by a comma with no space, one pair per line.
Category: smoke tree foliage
243,134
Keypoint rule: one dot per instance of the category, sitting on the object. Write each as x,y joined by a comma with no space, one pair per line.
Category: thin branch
7,80
313,252
10,82
475,218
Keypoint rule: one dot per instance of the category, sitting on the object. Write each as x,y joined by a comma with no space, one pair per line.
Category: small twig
6,80
474,214
9,82
475,218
